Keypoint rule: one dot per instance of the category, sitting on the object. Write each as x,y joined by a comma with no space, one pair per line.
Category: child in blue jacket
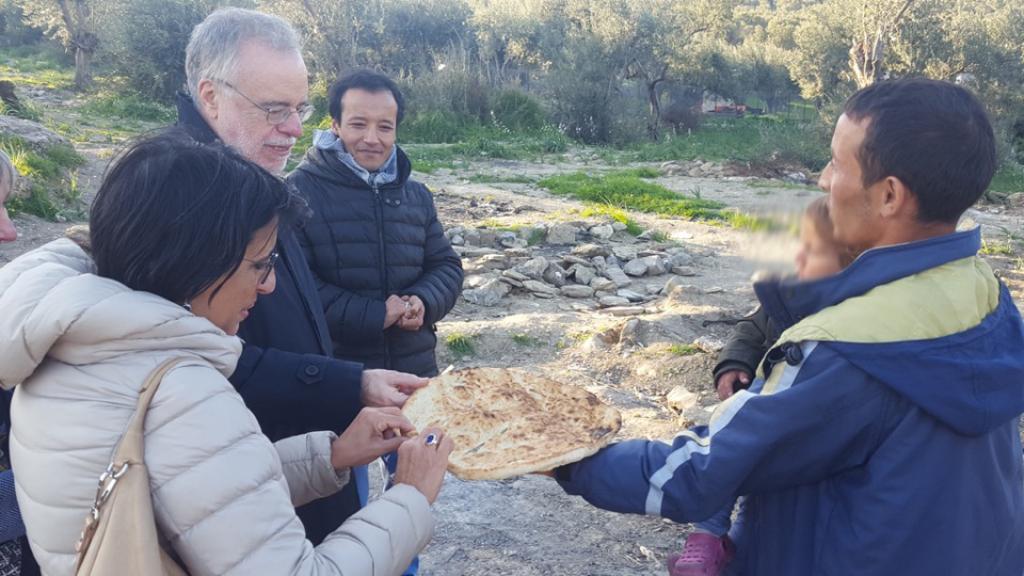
708,549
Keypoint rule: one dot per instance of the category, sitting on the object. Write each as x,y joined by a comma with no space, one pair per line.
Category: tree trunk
83,68
654,103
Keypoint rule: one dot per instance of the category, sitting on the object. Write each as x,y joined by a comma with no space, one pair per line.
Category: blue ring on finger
431,439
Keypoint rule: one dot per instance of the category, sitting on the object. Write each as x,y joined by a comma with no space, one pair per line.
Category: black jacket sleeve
441,283
292,391
747,345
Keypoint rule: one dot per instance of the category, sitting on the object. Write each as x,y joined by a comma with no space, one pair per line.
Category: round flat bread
509,422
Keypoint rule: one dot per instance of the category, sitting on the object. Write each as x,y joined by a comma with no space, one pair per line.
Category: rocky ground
636,320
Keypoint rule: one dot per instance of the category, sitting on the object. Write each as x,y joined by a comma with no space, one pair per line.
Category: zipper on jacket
383,267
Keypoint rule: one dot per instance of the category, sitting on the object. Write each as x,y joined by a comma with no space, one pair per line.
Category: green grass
683,350
27,111
996,248
500,178
1009,179
127,107
526,340
640,172
778,184
36,66
460,345
751,140
617,214
630,192
53,186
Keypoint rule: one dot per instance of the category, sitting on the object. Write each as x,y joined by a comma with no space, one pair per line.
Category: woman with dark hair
182,241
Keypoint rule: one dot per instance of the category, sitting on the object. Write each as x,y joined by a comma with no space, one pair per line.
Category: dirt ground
528,526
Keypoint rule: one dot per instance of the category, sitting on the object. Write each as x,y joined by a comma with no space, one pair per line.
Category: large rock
617,276
583,274
625,253
600,264
680,258
487,295
684,270
473,281
533,268
631,295
494,262
646,266
34,134
562,234
602,231
655,265
609,301
508,239
577,291
680,399
540,288
602,284
590,250
555,275
487,237
635,267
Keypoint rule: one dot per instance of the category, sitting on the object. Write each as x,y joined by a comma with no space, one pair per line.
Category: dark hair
172,215
817,211
934,136
368,80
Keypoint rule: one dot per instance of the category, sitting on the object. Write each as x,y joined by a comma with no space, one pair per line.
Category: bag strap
125,454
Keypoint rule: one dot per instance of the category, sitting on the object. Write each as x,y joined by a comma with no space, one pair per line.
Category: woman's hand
422,461
374,432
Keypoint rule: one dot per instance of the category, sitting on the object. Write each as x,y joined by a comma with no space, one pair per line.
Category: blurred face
854,210
235,108
239,291
367,126
7,231
818,257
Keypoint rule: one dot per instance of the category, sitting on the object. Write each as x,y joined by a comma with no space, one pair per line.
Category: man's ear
336,127
896,198
207,98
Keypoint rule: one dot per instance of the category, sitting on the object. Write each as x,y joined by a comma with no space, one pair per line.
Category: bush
517,111
144,42
52,182
435,126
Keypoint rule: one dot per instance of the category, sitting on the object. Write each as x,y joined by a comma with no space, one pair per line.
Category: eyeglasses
264,267
275,114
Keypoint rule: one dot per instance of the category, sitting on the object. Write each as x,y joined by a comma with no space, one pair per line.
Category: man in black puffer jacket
384,268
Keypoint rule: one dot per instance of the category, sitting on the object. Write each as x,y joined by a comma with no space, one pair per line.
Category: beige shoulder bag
120,535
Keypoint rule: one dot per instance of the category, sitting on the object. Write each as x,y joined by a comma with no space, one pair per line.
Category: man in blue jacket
248,88
881,433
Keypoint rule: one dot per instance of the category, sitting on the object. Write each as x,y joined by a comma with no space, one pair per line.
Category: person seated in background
184,242
880,434
708,549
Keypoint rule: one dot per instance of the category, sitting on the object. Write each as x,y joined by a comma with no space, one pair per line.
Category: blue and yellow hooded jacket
880,437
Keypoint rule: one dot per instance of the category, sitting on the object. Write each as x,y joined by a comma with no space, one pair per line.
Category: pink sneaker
703,555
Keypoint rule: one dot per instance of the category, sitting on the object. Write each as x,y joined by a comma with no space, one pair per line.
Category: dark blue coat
286,374
365,244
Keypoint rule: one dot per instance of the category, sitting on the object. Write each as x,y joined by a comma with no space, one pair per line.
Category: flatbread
509,422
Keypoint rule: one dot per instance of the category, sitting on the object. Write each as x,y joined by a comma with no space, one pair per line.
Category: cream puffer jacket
79,347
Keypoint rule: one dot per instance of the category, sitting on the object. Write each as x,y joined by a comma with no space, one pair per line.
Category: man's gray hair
212,51
8,174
